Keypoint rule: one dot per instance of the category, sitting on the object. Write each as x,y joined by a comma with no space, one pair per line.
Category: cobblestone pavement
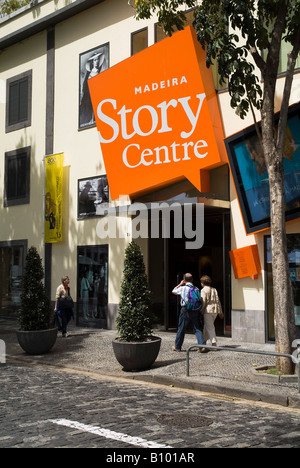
45,407
224,372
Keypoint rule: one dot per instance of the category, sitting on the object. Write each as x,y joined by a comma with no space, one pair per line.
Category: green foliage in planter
135,317
35,311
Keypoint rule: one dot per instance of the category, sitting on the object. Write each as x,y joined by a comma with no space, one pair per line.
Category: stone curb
269,378
186,383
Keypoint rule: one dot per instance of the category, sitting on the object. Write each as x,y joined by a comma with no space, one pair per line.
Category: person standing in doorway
85,289
187,316
211,308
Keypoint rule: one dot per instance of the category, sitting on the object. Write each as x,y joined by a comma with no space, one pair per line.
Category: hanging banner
53,197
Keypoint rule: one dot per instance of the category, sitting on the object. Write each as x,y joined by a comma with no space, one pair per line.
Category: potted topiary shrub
135,348
36,336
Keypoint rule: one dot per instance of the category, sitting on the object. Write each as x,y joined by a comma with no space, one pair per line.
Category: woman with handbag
64,304
211,308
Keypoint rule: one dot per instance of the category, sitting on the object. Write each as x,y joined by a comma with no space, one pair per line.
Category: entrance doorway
293,246
12,260
169,260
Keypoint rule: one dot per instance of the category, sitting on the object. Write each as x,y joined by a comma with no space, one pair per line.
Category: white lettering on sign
160,85
158,116
162,155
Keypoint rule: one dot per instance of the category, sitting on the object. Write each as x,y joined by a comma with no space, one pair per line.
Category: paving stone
136,413
69,382
225,372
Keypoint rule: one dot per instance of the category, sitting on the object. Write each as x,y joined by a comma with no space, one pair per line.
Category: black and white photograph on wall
91,63
93,196
92,286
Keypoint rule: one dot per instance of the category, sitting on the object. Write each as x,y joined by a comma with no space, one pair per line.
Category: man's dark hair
188,278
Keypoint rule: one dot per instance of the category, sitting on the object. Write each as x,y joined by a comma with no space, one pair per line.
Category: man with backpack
191,304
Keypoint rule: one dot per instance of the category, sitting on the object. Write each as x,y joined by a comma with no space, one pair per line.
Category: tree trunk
285,330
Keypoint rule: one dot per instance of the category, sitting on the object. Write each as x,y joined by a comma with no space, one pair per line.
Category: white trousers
209,331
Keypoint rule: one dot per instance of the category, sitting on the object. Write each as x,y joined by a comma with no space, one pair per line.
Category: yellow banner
53,197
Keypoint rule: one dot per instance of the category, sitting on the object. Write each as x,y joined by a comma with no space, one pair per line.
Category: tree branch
272,61
258,60
258,132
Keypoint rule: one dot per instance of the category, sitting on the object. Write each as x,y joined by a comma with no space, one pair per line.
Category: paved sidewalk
220,372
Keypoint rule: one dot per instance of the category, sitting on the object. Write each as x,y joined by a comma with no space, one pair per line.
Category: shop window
285,49
293,245
160,33
139,41
17,177
92,286
18,101
12,258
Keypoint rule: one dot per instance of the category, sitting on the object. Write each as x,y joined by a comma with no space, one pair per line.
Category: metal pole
297,362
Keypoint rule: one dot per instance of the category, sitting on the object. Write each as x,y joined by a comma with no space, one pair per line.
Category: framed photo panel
93,196
91,63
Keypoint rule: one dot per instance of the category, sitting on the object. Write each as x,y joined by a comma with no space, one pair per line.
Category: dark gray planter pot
136,356
37,342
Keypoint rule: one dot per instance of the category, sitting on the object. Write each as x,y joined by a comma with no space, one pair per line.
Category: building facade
49,51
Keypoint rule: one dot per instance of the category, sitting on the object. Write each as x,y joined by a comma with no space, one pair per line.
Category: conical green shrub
134,321
35,311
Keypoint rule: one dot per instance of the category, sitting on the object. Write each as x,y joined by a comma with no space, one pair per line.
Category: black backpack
66,302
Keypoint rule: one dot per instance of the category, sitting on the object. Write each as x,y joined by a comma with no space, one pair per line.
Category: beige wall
82,154
25,221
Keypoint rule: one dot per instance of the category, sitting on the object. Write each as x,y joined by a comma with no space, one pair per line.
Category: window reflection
92,286
11,273
293,244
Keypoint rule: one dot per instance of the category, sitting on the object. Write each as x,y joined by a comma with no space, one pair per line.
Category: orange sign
245,262
157,117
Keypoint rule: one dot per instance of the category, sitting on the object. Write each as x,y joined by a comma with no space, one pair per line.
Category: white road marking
2,352
137,441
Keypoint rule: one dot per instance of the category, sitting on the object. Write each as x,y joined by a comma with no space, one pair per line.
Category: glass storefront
293,242
12,255
169,259
92,286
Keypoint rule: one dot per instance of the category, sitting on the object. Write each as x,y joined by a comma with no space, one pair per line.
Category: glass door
12,257
92,286
293,243
169,260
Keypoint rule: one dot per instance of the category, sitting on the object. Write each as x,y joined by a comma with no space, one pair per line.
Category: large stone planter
136,356
37,342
